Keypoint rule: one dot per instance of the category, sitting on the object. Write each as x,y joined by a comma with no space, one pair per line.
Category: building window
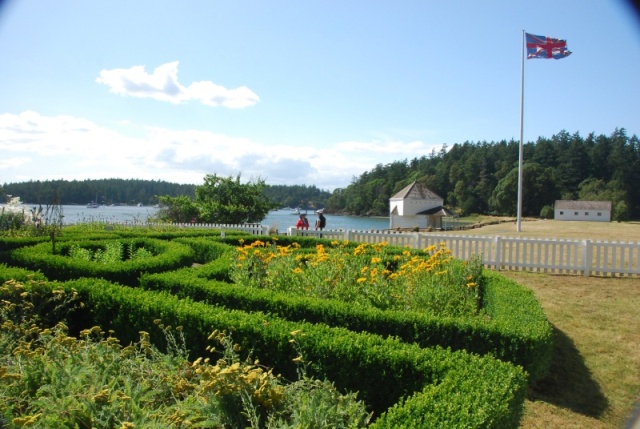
561,212
575,213
599,214
586,213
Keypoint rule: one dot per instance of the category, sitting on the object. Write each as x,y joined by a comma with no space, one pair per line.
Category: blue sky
296,92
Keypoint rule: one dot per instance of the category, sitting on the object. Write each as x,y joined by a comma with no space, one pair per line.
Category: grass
603,231
594,380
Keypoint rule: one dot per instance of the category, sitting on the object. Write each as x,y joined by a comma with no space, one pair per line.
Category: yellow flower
361,280
375,260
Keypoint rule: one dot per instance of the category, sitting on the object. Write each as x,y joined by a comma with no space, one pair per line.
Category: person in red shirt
303,222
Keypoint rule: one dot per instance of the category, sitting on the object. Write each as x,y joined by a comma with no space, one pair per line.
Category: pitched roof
582,205
440,211
416,191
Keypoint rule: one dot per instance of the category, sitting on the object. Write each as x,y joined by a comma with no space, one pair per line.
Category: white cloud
163,85
38,147
398,149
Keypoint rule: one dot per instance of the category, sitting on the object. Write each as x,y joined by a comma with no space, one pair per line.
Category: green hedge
206,250
19,274
12,243
517,331
59,266
407,386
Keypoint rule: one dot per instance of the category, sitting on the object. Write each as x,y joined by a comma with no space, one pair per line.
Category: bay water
279,219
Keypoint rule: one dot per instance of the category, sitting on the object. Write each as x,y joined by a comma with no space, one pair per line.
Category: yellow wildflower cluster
230,376
372,274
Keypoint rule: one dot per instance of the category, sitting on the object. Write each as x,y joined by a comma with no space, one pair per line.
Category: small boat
295,211
93,205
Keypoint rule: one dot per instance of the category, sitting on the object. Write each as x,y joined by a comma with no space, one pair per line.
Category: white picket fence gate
548,255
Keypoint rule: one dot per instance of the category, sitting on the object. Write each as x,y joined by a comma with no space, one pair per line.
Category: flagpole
520,152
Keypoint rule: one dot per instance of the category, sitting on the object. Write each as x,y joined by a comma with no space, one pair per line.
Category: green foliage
514,328
104,258
447,389
109,191
306,197
382,370
472,176
621,211
49,379
178,209
227,201
547,212
537,189
18,274
369,275
206,250
113,252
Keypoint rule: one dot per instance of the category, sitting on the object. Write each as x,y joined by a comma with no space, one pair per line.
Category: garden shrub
206,250
512,326
51,380
19,274
60,266
515,328
469,389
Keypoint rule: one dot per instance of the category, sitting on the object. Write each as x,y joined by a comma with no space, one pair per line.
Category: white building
598,211
416,207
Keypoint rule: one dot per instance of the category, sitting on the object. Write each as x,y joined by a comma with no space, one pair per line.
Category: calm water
280,219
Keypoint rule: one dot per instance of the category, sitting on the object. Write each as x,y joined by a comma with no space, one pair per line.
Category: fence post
348,235
587,251
416,240
498,257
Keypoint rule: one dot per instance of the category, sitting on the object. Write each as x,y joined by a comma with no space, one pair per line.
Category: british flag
546,47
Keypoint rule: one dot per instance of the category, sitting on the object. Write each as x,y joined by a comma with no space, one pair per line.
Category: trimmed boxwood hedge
59,266
517,330
19,274
405,385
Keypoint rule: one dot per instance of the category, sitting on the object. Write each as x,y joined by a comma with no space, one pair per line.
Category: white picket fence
249,228
548,255
586,257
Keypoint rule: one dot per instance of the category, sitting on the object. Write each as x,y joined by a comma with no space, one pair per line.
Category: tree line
472,177
146,192
482,177
102,191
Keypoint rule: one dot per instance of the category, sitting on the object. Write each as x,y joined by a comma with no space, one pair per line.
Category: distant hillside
106,191
133,191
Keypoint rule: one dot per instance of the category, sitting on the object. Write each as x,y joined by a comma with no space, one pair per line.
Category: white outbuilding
416,206
595,211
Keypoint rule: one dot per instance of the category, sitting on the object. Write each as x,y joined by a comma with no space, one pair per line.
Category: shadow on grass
569,383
